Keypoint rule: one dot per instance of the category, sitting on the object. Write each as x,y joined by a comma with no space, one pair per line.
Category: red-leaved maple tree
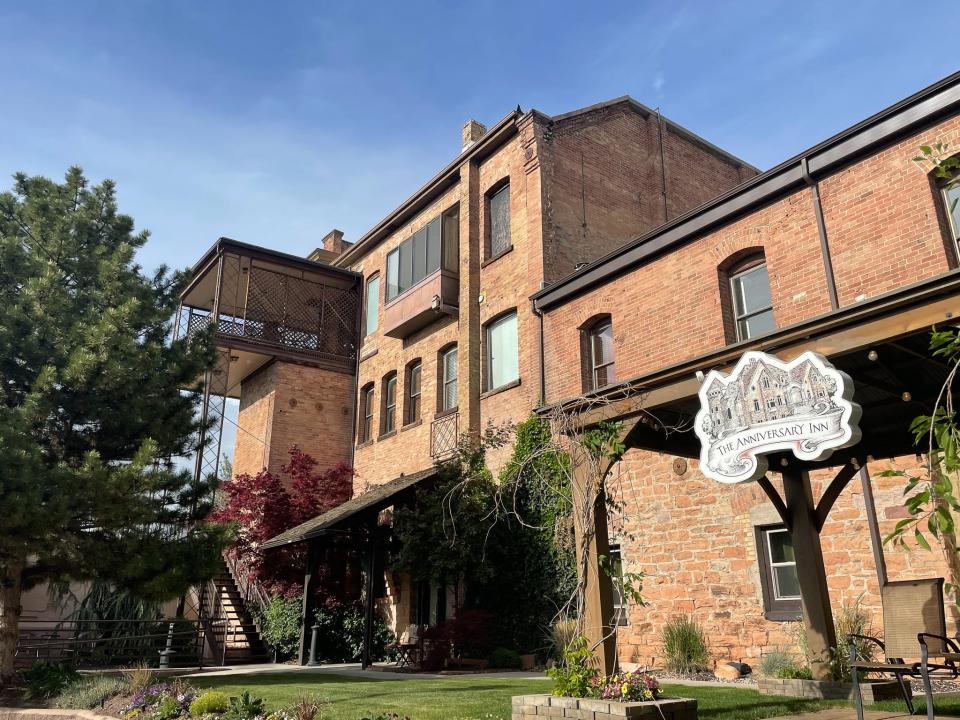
262,506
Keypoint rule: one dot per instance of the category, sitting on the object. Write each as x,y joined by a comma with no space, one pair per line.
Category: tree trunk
10,584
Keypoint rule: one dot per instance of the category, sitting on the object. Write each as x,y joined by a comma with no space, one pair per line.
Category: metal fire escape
264,305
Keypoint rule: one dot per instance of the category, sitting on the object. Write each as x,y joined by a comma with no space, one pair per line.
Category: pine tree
92,406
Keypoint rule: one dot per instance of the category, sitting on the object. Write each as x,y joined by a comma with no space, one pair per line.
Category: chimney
472,131
333,242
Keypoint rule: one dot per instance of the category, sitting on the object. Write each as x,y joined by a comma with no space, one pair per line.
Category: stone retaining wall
540,706
872,691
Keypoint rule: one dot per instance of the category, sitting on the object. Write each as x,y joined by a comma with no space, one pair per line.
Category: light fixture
872,356
907,397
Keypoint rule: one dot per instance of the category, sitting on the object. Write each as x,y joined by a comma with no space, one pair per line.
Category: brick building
650,255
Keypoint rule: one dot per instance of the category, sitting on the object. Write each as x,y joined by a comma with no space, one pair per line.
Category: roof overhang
895,324
356,511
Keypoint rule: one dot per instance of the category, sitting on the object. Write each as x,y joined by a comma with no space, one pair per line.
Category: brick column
468,339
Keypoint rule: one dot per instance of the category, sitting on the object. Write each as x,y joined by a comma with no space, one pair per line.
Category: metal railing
252,592
110,643
444,433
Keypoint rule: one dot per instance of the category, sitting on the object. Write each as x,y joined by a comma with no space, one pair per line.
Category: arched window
745,296
388,413
365,430
414,385
596,353
447,379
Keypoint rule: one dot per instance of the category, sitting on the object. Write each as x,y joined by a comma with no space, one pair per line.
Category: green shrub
504,658
46,679
245,707
575,674
340,638
794,672
281,622
91,692
212,702
850,619
685,645
775,660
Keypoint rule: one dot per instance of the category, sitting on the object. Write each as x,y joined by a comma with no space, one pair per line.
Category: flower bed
538,706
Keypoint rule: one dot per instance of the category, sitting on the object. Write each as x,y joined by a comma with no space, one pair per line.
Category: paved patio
846,714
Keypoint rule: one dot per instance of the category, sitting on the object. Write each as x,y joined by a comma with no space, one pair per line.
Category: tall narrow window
621,609
499,215
779,579
414,377
602,369
752,304
366,414
448,379
372,309
388,422
424,253
503,356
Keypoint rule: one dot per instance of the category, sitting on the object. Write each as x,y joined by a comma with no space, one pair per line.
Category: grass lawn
473,698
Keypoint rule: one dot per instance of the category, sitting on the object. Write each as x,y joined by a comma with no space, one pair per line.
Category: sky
273,123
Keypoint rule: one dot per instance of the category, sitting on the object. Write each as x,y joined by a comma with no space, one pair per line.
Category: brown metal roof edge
433,187
223,244
375,497
845,147
879,306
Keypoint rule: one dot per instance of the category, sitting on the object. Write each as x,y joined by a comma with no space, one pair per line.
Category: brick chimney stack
333,242
472,131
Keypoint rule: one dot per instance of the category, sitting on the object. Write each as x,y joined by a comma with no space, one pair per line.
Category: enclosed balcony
269,304
422,277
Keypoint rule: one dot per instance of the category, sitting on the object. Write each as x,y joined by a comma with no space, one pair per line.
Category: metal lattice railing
444,435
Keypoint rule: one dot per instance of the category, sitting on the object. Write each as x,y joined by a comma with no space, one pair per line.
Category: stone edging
872,691
540,706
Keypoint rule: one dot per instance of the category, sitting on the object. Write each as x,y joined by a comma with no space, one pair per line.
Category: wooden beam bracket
775,498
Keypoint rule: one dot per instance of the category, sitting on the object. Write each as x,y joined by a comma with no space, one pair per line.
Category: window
389,420
414,376
373,304
950,193
498,241
421,255
779,580
621,608
503,357
750,292
366,414
448,379
602,372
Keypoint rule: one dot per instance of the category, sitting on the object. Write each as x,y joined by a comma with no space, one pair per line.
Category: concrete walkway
848,714
379,671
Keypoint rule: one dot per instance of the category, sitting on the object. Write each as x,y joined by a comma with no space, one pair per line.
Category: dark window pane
433,246
500,222
373,305
786,581
393,274
406,266
781,547
419,255
415,380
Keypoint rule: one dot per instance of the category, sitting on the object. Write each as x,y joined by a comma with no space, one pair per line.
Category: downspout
822,232
663,166
543,378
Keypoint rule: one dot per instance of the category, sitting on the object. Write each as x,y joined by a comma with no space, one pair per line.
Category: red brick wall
287,404
694,539
883,231
604,182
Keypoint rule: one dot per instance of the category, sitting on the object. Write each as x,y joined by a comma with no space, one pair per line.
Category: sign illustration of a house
766,405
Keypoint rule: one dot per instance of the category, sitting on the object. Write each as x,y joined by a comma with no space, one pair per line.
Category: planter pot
526,707
527,662
872,690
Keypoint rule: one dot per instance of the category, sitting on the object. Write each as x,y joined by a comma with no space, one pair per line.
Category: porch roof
370,502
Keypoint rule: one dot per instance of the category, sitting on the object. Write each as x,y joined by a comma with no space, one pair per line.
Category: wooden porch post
598,587
370,568
817,615
310,581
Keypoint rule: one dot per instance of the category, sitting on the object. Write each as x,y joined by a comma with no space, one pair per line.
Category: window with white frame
778,573
448,379
502,351
752,303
